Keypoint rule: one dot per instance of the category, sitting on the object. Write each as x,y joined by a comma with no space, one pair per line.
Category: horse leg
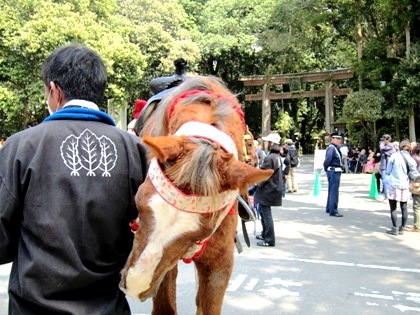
215,267
164,303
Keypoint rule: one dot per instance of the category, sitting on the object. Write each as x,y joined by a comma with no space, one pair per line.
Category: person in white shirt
344,149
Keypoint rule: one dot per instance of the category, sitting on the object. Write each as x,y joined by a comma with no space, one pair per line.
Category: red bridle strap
198,253
203,245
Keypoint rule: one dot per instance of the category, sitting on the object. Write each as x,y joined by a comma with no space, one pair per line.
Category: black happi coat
269,193
66,198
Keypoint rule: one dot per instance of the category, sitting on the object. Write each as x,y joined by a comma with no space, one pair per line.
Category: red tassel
133,226
197,254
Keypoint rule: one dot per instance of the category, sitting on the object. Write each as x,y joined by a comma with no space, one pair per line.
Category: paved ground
320,265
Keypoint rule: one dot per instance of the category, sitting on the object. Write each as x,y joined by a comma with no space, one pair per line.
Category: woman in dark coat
268,194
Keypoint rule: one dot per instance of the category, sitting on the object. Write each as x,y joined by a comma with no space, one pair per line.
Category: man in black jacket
268,193
67,191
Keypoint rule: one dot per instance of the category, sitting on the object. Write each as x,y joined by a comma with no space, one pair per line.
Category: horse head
194,138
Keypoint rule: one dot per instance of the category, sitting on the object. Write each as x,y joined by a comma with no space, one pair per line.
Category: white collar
81,103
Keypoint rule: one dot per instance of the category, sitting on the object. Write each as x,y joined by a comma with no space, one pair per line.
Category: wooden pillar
411,122
118,114
266,111
329,106
412,126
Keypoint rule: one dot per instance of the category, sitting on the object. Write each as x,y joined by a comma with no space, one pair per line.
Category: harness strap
187,94
206,131
181,201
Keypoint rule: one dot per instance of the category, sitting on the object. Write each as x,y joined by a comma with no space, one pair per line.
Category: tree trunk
375,137
266,111
411,122
359,51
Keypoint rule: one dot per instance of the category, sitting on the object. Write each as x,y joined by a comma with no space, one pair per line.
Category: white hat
273,137
288,141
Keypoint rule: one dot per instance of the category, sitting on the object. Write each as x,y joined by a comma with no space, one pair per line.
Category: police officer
333,166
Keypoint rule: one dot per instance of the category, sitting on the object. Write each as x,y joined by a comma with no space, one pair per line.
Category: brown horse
185,206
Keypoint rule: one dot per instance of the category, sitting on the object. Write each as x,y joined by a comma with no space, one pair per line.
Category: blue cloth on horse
79,113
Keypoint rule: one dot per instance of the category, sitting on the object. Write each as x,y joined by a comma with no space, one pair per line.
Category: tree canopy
140,39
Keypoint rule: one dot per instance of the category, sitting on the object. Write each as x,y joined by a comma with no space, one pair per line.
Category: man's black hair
78,71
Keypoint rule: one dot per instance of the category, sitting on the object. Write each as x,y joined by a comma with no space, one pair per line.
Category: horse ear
241,175
164,148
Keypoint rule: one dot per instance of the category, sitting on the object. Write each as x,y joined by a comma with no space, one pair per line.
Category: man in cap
294,162
268,193
273,138
333,166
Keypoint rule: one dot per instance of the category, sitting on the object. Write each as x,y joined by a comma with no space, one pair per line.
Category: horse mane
199,173
158,124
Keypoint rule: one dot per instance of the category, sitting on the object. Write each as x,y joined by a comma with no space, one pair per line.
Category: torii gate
292,78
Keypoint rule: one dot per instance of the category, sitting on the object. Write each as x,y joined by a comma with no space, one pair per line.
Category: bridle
195,204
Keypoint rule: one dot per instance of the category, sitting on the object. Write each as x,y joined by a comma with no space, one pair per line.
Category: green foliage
31,30
408,80
162,32
362,109
140,39
283,124
363,106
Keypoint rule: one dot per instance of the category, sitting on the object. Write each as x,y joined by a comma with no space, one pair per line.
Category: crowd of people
355,160
396,166
395,176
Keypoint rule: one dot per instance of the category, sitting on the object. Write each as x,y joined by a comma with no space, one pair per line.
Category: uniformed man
333,166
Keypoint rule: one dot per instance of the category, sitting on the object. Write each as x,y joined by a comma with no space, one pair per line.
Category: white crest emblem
90,153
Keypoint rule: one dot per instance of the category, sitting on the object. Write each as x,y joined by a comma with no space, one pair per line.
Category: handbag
414,188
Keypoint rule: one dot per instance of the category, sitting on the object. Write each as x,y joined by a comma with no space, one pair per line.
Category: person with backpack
401,167
268,193
294,162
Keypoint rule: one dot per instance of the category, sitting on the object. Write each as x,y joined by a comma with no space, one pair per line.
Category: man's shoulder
292,150
408,156
30,133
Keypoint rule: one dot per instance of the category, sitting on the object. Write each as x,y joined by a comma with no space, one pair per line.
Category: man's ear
56,96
